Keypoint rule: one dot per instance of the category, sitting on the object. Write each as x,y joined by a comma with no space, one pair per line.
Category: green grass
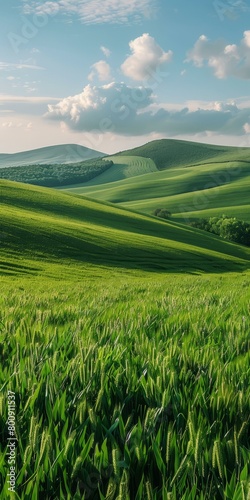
124,167
126,342
46,226
187,192
127,388
189,179
169,153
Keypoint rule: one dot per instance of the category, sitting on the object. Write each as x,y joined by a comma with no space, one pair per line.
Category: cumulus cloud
247,128
225,59
102,70
147,56
95,11
115,106
126,110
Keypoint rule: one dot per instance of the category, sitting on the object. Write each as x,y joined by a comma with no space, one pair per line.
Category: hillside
219,184
169,153
64,153
41,226
124,167
57,174
185,192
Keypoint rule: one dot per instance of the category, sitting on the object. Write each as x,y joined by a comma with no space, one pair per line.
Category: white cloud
246,39
29,88
95,11
111,106
105,51
40,7
247,128
7,124
26,105
125,110
102,70
147,56
25,99
225,59
17,124
6,66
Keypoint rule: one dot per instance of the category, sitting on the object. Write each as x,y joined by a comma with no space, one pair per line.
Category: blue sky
113,74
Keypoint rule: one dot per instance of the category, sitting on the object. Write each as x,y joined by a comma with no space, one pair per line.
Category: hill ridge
44,225
58,153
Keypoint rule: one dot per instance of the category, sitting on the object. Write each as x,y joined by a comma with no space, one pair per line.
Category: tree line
57,174
229,228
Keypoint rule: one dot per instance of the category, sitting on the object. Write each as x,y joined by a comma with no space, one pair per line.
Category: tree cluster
56,175
162,212
229,228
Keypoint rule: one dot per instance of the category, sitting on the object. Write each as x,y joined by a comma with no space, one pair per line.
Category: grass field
216,186
42,224
189,179
124,341
169,153
126,388
124,167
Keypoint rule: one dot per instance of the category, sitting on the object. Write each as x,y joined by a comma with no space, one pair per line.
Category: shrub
162,212
229,228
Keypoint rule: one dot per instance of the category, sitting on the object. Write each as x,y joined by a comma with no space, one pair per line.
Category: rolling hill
124,167
64,153
210,185
41,227
169,153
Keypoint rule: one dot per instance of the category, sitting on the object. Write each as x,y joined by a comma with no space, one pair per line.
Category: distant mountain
64,153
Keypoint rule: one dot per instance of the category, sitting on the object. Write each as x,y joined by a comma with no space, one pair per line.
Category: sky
115,74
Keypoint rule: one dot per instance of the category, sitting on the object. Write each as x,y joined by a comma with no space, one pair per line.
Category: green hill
42,227
124,167
168,153
64,153
215,185
186,192
57,174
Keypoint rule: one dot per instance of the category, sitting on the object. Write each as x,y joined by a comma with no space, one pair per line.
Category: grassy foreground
125,342
128,388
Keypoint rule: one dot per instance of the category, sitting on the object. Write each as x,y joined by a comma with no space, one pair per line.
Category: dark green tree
229,228
162,212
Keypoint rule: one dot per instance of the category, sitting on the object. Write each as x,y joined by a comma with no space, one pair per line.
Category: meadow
42,226
125,340
187,192
128,387
191,180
